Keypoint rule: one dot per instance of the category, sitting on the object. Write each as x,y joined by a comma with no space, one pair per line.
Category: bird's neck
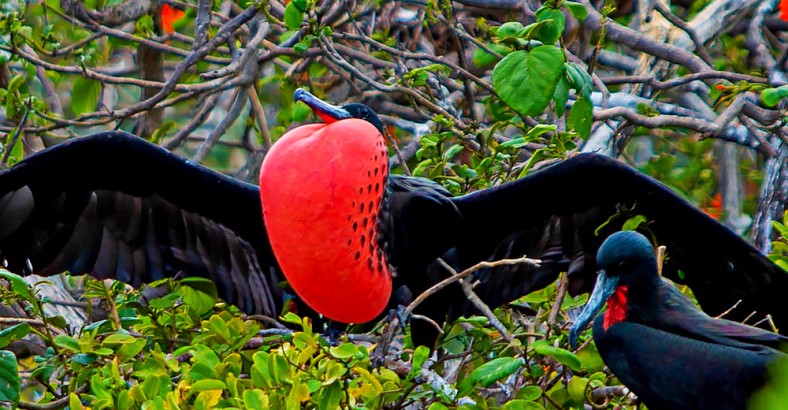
643,297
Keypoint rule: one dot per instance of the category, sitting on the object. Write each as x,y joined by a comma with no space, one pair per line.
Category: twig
53,405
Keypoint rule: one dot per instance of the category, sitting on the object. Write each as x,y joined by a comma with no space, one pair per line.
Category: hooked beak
604,288
328,112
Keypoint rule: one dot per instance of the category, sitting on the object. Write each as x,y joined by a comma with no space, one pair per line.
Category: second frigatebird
669,353
340,225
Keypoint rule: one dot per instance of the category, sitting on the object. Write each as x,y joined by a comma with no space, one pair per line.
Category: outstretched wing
552,214
115,206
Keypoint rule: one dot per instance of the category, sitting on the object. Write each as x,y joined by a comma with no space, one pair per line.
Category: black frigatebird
340,226
669,353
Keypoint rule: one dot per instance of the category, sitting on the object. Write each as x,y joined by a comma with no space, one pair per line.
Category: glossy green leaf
85,95
293,16
578,10
74,403
255,399
13,333
481,58
772,96
19,286
9,377
344,351
634,222
561,96
544,348
526,80
67,342
208,384
489,373
554,20
522,405
510,29
579,79
581,117
530,393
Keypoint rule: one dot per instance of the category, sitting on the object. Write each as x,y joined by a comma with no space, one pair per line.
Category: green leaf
544,348
12,333
590,360
84,95
561,96
67,342
581,117
74,403
530,393
119,338
204,285
9,377
161,132
518,142
330,396
510,29
255,399
300,4
293,16
489,373
481,58
522,405
301,112
128,350
555,21
217,325
633,223
526,81
208,384
166,301
198,301
17,151
420,355
11,95
578,10
344,351
19,286
579,80
84,358
772,96
203,354
449,154
576,388
99,388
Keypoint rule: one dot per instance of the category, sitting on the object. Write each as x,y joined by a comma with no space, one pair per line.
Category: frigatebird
654,339
341,226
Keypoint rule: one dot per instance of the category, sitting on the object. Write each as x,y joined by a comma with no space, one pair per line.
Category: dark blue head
627,255
625,259
330,113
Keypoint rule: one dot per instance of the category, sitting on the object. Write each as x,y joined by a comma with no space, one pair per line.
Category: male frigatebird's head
331,113
322,186
625,259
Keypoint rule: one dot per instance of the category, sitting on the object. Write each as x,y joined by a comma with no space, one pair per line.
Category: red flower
170,15
714,207
784,10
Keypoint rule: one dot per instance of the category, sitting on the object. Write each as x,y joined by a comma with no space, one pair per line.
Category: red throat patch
616,308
